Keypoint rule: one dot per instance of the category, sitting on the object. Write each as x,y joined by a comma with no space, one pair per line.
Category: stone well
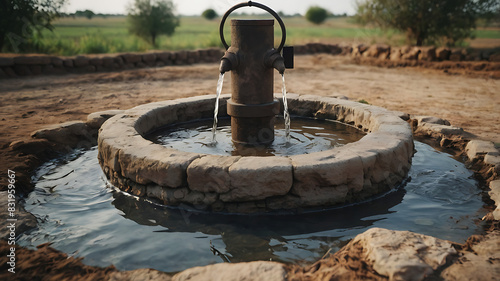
351,173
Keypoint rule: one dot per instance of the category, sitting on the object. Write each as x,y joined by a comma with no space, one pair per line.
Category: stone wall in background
13,65
26,65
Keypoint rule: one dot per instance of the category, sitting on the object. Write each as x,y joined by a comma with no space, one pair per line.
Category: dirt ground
28,104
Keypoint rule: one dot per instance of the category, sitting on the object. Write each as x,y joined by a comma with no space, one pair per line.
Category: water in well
81,215
305,136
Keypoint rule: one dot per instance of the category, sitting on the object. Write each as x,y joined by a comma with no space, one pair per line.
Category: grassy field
73,36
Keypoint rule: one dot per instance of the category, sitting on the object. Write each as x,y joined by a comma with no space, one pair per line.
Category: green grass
73,36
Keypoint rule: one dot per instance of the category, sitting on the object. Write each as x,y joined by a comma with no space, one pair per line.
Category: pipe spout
228,62
279,64
275,60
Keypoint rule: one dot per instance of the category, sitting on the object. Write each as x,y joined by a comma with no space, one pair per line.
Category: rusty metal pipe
252,60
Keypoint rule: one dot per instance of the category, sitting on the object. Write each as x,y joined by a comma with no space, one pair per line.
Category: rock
495,196
144,274
495,57
131,58
22,70
73,134
210,173
56,61
410,53
258,270
395,54
68,62
432,120
149,58
359,50
96,61
456,55
427,54
481,262
477,149
443,53
403,255
96,119
36,69
378,51
256,178
6,61
80,61
322,178
29,60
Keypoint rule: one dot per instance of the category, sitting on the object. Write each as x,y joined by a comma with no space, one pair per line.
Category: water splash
216,111
286,115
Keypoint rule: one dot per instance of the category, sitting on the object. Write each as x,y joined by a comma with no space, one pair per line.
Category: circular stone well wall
351,173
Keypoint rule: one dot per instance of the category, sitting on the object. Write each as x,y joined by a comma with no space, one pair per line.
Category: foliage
427,21
316,15
87,13
149,19
209,14
21,19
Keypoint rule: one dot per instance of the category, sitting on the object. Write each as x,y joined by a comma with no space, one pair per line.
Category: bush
209,14
316,15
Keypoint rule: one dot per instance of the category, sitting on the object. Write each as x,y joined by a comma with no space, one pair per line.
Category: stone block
22,70
30,60
131,58
257,178
96,119
257,270
443,53
403,255
96,61
81,61
477,149
70,133
427,54
211,173
6,61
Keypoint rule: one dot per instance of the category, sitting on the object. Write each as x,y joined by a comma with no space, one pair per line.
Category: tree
21,19
209,14
427,21
149,19
87,13
316,15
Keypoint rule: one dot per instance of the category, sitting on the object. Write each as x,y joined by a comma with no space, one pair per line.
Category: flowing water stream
220,83
286,115
81,215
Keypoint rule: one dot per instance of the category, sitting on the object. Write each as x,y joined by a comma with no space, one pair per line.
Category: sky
196,7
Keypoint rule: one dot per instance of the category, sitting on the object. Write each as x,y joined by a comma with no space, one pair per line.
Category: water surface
80,215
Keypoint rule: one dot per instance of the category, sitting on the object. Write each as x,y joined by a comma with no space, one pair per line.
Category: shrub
316,15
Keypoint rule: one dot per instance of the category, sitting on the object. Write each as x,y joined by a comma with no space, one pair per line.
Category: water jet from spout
216,110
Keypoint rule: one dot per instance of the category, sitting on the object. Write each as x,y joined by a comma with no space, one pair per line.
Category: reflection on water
306,136
82,217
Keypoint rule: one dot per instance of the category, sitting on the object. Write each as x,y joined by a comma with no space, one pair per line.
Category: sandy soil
472,103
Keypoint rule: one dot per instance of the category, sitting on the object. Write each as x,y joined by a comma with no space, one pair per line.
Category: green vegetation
21,19
428,21
316,15
72,36
209,14
149,19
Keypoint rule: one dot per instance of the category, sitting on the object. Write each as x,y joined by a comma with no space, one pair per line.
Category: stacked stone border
347,174
370,254
13,65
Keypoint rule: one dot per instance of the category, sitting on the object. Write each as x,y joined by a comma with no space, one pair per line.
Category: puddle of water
83,217
305,136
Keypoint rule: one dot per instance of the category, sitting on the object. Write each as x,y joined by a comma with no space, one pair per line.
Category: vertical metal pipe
252,106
